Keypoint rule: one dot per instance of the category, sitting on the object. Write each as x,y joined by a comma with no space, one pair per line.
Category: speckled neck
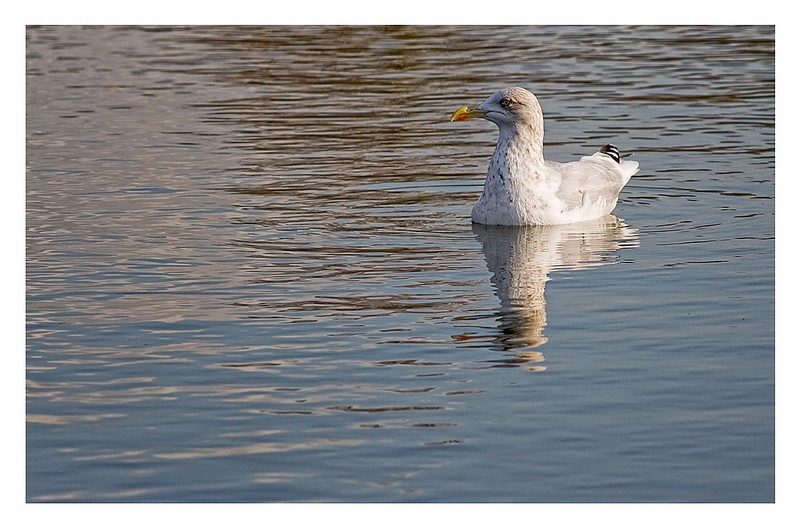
518,152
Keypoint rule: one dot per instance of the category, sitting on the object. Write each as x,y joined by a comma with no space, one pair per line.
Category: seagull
524,189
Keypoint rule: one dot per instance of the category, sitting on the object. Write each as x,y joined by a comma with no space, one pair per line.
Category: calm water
251,273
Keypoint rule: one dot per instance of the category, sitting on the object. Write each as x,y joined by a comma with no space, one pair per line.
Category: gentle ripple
251,274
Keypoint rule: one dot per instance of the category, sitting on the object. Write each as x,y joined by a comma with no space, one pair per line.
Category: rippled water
251,273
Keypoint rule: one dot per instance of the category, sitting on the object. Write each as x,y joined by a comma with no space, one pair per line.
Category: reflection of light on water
256,449
520,259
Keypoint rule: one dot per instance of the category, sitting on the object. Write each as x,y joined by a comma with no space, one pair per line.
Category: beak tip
462,114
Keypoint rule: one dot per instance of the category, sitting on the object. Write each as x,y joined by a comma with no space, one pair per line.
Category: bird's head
509,106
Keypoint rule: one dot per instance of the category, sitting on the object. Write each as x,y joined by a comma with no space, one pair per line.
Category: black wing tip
611,151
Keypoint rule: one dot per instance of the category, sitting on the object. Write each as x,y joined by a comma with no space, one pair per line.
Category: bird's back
592,183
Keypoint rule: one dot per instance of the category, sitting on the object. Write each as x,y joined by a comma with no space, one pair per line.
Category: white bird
522,188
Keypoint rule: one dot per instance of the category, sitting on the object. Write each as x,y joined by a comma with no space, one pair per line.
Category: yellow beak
465,113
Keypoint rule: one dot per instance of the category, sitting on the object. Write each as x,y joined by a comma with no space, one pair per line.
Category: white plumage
522,188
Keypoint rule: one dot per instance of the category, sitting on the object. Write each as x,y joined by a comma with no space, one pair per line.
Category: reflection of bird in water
522,189
520,259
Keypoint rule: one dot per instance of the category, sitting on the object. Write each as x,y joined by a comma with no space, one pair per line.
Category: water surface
251,273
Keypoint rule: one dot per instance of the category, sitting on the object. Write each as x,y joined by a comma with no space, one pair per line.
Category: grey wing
585,182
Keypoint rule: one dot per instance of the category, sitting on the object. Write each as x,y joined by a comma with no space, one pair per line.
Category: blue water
252,277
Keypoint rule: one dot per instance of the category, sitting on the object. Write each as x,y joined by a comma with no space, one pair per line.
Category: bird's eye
505,102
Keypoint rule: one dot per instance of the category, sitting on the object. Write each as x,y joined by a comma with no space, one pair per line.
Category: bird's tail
628,167
611,151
